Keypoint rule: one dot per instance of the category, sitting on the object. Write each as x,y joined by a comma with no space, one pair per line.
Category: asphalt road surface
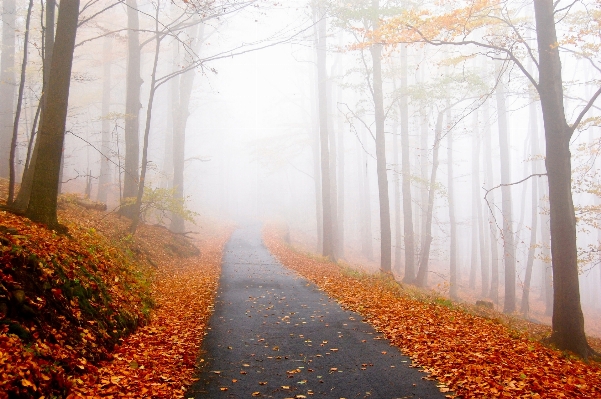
276,335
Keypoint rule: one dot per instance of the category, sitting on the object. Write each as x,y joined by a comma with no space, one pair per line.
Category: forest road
276,335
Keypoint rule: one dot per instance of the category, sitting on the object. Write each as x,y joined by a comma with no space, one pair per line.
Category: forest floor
102,313
99,312
473,351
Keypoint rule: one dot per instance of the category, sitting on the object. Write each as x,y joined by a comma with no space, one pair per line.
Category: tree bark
153,87
340,187
317,183
482,230
452,221
366,228
333,153
475,200
525,305
568,320
132,109
398,234
7,82
385,233
15,135
42,205
409,236
186,82
492,225
423,165
506,202
104,179
547,273
328,231
422,274
22,201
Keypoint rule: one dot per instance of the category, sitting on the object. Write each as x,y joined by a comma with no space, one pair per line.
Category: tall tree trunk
492,225
365,193
482,230
409,236
333,162
398,234
423,166
174,85
340,191
132,109
525,306
136,216
326,201
24,194
385,234
506,203
104,179
422,274
186,81
547,275
15,135
317,184
568,320
44,191
7,82
475,200
452,221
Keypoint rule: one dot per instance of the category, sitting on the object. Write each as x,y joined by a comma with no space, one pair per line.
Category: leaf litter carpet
474,356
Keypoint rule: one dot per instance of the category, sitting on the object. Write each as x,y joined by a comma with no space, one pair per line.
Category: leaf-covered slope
66,301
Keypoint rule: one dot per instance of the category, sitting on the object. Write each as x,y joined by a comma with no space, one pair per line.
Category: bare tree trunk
15,135
174,85
452,221
341,160
547,283
525,306
333,162
315,148
104,179
422,274
506,203
492,223
142,181
482,230
7,82
385,234
132,109
424,160
366,228
32,136
409,236
475,200
42,205
328,231
186,81
317,187
24,194
398,234
568,319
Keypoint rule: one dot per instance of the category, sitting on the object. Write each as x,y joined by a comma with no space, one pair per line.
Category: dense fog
468,118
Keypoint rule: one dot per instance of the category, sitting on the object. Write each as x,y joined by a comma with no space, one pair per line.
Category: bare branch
584,111
508,52
83,21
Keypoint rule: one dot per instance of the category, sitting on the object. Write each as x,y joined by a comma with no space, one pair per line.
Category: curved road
275,335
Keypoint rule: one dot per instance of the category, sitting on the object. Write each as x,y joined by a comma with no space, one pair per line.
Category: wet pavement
276,335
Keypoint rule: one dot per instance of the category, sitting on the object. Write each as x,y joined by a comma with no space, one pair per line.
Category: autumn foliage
100,312
475,356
